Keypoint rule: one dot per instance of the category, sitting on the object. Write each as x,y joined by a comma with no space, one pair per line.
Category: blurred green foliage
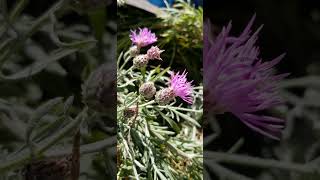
47,52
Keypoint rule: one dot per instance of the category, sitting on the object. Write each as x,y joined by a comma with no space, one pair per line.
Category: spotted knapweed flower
236,80
147,90
178,86
144,38
130,112
154,53
140,61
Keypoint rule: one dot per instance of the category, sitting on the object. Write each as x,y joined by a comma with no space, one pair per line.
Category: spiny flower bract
154,53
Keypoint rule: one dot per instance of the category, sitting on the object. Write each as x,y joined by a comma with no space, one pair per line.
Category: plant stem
127,58
85,149
308,81
225,173
258,162
176,108
148,103
124,73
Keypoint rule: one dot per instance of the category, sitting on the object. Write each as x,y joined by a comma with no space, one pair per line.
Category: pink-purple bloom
236,80
178,86
181,87
143,38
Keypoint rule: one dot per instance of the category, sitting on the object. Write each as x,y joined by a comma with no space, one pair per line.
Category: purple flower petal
236,80
143,38
181,87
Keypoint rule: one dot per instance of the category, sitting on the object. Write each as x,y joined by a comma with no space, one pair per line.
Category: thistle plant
159,115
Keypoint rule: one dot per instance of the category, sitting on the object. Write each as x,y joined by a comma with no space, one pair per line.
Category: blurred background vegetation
49,49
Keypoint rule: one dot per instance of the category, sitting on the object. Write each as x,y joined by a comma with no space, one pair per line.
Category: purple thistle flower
181,87
237,81
178,86
144,38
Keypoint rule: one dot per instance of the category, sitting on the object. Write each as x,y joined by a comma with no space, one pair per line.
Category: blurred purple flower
181,87
237,81
144,38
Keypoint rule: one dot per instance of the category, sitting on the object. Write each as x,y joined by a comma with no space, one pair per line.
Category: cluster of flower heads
178,85
141,39
237,81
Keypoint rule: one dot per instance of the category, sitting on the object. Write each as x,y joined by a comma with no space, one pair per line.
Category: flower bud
164,96
140,61
99,90
134,51
147,90
154,53
130,112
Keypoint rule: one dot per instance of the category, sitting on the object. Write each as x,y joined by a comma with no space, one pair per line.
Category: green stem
225,173
146,104
143,72
178,108
124,73
308,81
130,104
19,7
258,162
126,59
85,149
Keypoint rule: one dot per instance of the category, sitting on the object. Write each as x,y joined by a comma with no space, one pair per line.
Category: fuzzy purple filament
236,80
143,38
181,87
